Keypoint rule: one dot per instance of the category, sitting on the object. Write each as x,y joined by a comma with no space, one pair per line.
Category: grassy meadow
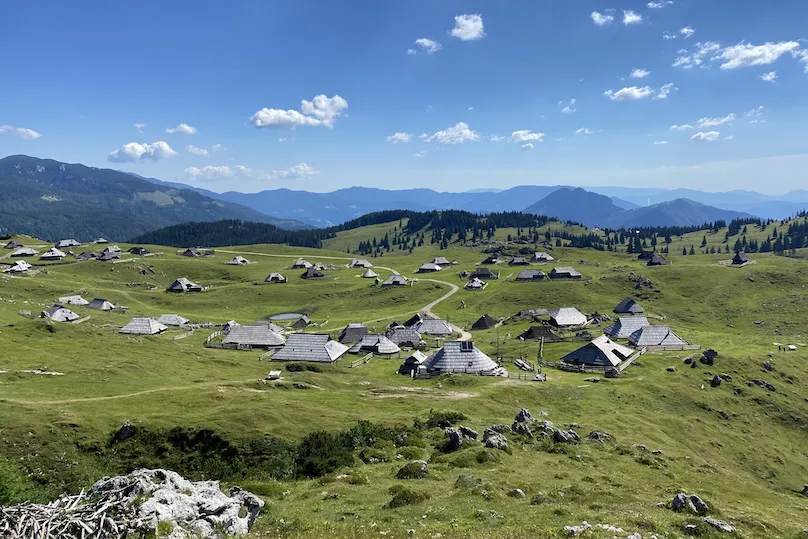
742,448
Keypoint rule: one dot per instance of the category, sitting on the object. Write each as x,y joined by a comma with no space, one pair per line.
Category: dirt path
123,395
464,335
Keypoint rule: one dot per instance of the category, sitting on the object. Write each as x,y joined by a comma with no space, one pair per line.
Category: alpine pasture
739,446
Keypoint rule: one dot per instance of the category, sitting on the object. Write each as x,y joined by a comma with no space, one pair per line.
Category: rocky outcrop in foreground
143,502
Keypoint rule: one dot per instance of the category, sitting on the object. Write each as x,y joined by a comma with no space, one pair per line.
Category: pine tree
684,251
692,250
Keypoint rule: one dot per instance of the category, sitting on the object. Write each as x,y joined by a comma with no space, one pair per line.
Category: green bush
411,453
14,484
439,420
403,496
358,479
320,453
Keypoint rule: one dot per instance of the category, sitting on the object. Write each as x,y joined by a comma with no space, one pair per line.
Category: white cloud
221,172
528,146
729,137
468,27
715,122
665,91
687,31
322,111
668,36
281,139
495,138
419,154
696,59
22,132
195,150
708,136
399,137
217,147
632,93
183,129
683,127
746,54
754,112
802,56
601,19
569,108
457,134
660,142
134,152
427,45
139,127
525,135
412,51
771,76
659,4
631,17
584,131
639,73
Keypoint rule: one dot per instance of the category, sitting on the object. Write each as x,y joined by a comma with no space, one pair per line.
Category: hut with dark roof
301,323
23,251
656,260
475,284
275,277
191,252
492,259
429,267
109,256
140,251
13,244
172,320
565,272
312,273
484,322
530,275
87,255
395,280
183,285
404,337
599,353
484,274
58,313
628,306
301,263
20,266
413,363
359,263
100,304
52,254
740,259
441,261
519,261
353,333
537,333
237,261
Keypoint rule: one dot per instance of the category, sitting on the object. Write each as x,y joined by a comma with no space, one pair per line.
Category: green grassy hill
740,447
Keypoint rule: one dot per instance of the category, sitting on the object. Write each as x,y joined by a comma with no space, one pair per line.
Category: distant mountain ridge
327,209
593,209
52,200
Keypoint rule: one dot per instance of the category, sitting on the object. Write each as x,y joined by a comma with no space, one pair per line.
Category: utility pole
541,354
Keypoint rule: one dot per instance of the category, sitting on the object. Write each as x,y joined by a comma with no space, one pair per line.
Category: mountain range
593,209
53,200
326,209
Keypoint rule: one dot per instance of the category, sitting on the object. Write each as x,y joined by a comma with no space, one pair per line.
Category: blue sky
223,95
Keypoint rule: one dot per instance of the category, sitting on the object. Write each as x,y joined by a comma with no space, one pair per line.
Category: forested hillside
52,200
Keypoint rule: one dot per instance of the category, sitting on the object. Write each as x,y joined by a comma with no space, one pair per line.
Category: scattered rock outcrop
134,505
495,440
690,503
719,524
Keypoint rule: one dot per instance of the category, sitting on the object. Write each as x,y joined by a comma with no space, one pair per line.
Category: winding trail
426,309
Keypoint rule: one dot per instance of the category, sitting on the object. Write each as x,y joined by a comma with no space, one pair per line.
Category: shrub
294,367
403,496
320,453
439,420
411,453
358,479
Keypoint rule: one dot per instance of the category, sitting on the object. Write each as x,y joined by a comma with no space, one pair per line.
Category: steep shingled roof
143,326
628,306
310,347
601,352
461,357
568,316
655,336
624,326
258,336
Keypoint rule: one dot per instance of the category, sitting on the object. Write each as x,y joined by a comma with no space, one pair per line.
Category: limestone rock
598,436
690,503
495,440
516,493
523,416
719,524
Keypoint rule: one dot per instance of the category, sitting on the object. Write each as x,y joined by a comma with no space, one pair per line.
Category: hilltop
206,413
51,199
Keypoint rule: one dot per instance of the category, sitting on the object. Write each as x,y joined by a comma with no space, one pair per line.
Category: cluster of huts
56,253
